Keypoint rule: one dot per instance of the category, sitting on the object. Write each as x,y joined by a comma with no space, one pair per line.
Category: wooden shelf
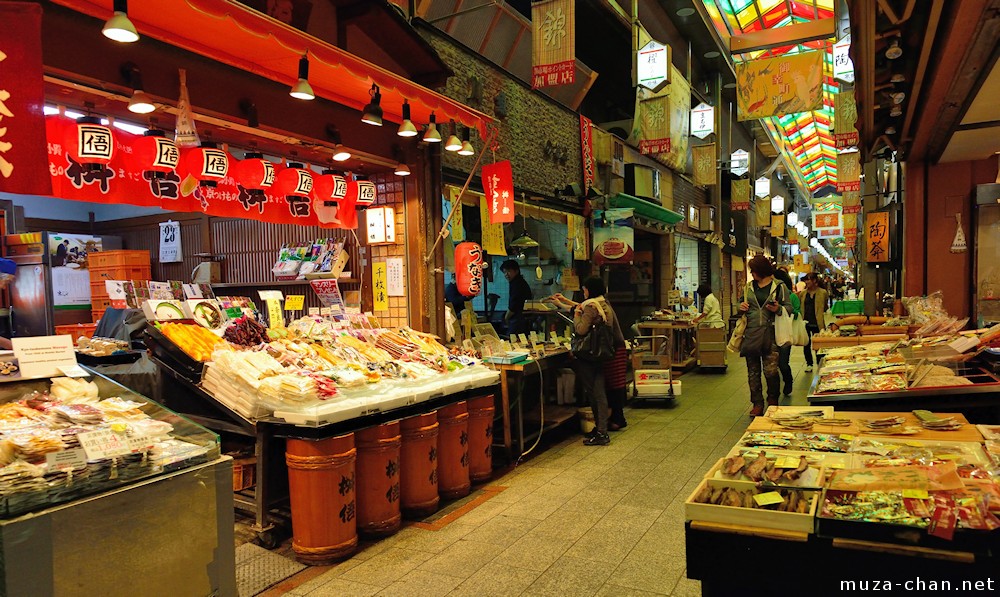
279,283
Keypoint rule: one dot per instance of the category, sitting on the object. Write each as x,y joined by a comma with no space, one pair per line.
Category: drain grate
257,569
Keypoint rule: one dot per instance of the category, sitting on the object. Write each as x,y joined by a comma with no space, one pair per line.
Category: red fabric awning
241,37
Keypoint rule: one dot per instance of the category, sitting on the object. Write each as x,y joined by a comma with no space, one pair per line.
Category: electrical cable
541,416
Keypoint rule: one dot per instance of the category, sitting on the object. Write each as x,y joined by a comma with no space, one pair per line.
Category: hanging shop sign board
614,236
778,226
845,115
739,162
852,202
762,187
654,125
662,126
826,219
703,157
877,236
492,234
170,242
734,230
328,292
740,194
498,184
22,94
587,152
786,84
455,204
553,43
848,172
843,66
380,290
652,65
702,120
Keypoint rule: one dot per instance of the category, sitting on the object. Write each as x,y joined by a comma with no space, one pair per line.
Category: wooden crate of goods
790,469
119,272
76,330
882,330
743,503
118,258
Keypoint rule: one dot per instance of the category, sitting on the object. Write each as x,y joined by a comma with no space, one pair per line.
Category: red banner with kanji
123,181
498,185
587,147
22,97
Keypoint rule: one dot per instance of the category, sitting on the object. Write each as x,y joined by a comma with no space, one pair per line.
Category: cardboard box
712,359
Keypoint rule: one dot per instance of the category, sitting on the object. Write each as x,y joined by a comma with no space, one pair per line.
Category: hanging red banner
498,184
587,147
22,130
122,181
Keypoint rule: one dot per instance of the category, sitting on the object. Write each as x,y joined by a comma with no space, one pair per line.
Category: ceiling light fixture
431,135
467,148
453,143
729,86
119,27
340,153
685,12
897,78
407,129
373,111
302,89
712,54
401,168
894,51
524,241
140,103
890,130
895,111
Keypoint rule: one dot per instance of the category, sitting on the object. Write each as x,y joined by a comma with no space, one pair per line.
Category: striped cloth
614,370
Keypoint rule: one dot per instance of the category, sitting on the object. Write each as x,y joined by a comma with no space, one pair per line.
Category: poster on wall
170,242
553,43
786,84
614,237
68,254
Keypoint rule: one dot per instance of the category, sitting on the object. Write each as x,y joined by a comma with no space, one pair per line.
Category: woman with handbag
762,298
588,316
785,352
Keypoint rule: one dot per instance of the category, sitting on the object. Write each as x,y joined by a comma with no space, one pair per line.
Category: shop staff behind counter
520,293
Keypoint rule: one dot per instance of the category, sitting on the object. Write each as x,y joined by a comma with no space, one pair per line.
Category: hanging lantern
329,189
347,212
469,267
155,153
206,164
294,181
89,142
254,173
363,193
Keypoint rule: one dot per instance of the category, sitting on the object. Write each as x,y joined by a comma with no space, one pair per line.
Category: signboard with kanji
877,237
653,65
702,120
553,43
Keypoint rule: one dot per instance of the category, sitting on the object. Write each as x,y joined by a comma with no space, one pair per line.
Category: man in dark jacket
520,293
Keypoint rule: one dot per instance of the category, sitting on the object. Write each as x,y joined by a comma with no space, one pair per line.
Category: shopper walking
785,352
762,298
814,302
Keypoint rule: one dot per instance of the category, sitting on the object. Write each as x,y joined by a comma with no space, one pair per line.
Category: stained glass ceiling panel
806,137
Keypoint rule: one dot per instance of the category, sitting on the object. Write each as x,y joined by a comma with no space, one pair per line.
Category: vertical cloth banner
852,202
704,164
764,212
654,124
739,197
380,291
492,237
23,164
663,121
498,183
587,152
577,227
848,172
553,43
457,224
778,226
845,115
786,84
877,235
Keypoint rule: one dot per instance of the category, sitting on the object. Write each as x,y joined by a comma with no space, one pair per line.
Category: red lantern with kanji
293,181
329,189
254,173
154,152
469,267
362,192
89,142
347,212
207,164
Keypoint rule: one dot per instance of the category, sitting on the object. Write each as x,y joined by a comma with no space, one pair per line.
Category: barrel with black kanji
321,487
453,451
378,479
481,438
418,466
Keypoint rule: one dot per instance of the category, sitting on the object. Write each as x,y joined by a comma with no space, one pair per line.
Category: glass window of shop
687,275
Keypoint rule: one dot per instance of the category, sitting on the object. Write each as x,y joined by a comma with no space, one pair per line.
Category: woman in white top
711,310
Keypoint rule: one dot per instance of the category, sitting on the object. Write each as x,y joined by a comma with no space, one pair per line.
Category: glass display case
987,244
65,439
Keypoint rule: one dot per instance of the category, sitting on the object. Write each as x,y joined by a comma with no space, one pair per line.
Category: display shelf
278,283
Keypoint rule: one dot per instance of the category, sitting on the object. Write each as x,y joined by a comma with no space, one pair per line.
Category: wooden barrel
378,480
481,438
453,451
321,483
418,466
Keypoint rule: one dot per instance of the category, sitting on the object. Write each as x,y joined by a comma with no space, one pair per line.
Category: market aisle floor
574,520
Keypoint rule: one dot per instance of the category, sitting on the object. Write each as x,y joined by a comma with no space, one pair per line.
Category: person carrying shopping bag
763,297
814,302
785,352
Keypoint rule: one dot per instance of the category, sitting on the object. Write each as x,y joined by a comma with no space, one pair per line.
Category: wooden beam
889,12
783,36
918,80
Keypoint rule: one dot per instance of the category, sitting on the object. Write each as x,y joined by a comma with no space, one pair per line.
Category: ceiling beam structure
788,35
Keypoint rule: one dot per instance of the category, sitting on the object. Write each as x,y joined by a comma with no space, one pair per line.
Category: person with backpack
762,298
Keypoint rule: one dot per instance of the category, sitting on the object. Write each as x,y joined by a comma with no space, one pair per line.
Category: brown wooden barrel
378,479
453,451
321,483
481,438
418,466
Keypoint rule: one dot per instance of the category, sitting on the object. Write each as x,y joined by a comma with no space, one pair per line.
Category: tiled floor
574,520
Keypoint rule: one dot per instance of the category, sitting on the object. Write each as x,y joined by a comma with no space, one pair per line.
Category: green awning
646,209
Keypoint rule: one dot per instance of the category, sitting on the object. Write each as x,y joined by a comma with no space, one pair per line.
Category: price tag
234,312
271,295
522,339
313,310
138,443
834,465
294,302
951,456
914,444
766,499
554,336
275,317
846,437
567,346
917,494
103,443
324,312
787,462
66,459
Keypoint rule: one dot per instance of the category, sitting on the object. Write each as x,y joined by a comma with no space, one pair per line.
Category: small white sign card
44,356
170,242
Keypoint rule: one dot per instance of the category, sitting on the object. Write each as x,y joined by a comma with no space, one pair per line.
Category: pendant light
340,153
467,148
119,27
302,89
407,129
140,103
431,135
453,143
401,168
373,111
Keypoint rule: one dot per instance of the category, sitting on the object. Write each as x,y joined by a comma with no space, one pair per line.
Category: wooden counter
968,432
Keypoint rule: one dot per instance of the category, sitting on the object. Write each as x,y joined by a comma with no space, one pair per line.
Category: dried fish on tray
800,470
744,503
814,442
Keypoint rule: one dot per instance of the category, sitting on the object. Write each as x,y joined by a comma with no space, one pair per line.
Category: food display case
987,247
